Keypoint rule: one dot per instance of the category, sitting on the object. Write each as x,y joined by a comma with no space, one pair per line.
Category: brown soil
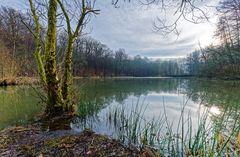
22,141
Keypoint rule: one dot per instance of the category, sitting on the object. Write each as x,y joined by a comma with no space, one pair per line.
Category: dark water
97,97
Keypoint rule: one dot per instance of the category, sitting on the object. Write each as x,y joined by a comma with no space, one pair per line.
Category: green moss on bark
68,78
55,99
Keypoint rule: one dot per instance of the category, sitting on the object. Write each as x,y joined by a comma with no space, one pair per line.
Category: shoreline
18,81
4,82
31,141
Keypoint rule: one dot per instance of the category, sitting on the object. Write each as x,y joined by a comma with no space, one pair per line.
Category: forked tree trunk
59,93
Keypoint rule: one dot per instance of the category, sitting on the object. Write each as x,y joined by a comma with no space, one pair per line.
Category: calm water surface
156,96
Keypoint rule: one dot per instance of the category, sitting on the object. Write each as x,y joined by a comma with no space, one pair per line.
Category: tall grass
212,137
86,109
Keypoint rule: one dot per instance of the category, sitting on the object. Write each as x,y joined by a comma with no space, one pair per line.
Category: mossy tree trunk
72,35
38,51
48,69
67,77
55,99
59,93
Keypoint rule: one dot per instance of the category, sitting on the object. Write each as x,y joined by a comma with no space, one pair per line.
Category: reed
218,137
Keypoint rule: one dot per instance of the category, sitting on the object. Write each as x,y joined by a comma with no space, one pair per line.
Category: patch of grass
87,109
209,139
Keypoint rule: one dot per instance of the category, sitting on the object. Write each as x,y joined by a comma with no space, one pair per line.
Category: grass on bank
218,137
9,81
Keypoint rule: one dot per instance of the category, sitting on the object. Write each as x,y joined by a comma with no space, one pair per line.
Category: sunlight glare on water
215,110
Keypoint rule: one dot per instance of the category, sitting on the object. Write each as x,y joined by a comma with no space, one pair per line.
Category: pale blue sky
131,27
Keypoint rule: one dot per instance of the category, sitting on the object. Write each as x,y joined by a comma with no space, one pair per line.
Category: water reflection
214,110
161,96
17,105
98,96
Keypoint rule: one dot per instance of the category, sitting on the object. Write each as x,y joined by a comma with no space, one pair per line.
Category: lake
170,98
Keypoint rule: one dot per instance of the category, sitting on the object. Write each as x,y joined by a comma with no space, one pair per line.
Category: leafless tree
189,10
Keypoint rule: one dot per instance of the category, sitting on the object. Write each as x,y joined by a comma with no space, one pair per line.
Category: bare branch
184,9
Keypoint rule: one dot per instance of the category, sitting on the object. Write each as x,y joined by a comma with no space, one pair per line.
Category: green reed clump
128,123
86,109
211,137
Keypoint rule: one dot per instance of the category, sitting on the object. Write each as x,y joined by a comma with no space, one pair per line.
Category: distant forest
90,57
93,58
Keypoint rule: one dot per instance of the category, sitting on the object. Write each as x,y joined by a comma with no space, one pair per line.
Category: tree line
223,58
16,44
90,56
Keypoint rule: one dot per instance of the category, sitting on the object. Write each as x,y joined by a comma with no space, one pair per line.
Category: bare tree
18,40
8,64
188,10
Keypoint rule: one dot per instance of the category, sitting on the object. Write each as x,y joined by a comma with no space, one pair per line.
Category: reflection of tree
18,105
107,90
219,93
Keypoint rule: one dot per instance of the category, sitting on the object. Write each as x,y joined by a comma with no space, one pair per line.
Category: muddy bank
30,141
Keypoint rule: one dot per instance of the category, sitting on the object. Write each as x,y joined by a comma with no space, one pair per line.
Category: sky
131,26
